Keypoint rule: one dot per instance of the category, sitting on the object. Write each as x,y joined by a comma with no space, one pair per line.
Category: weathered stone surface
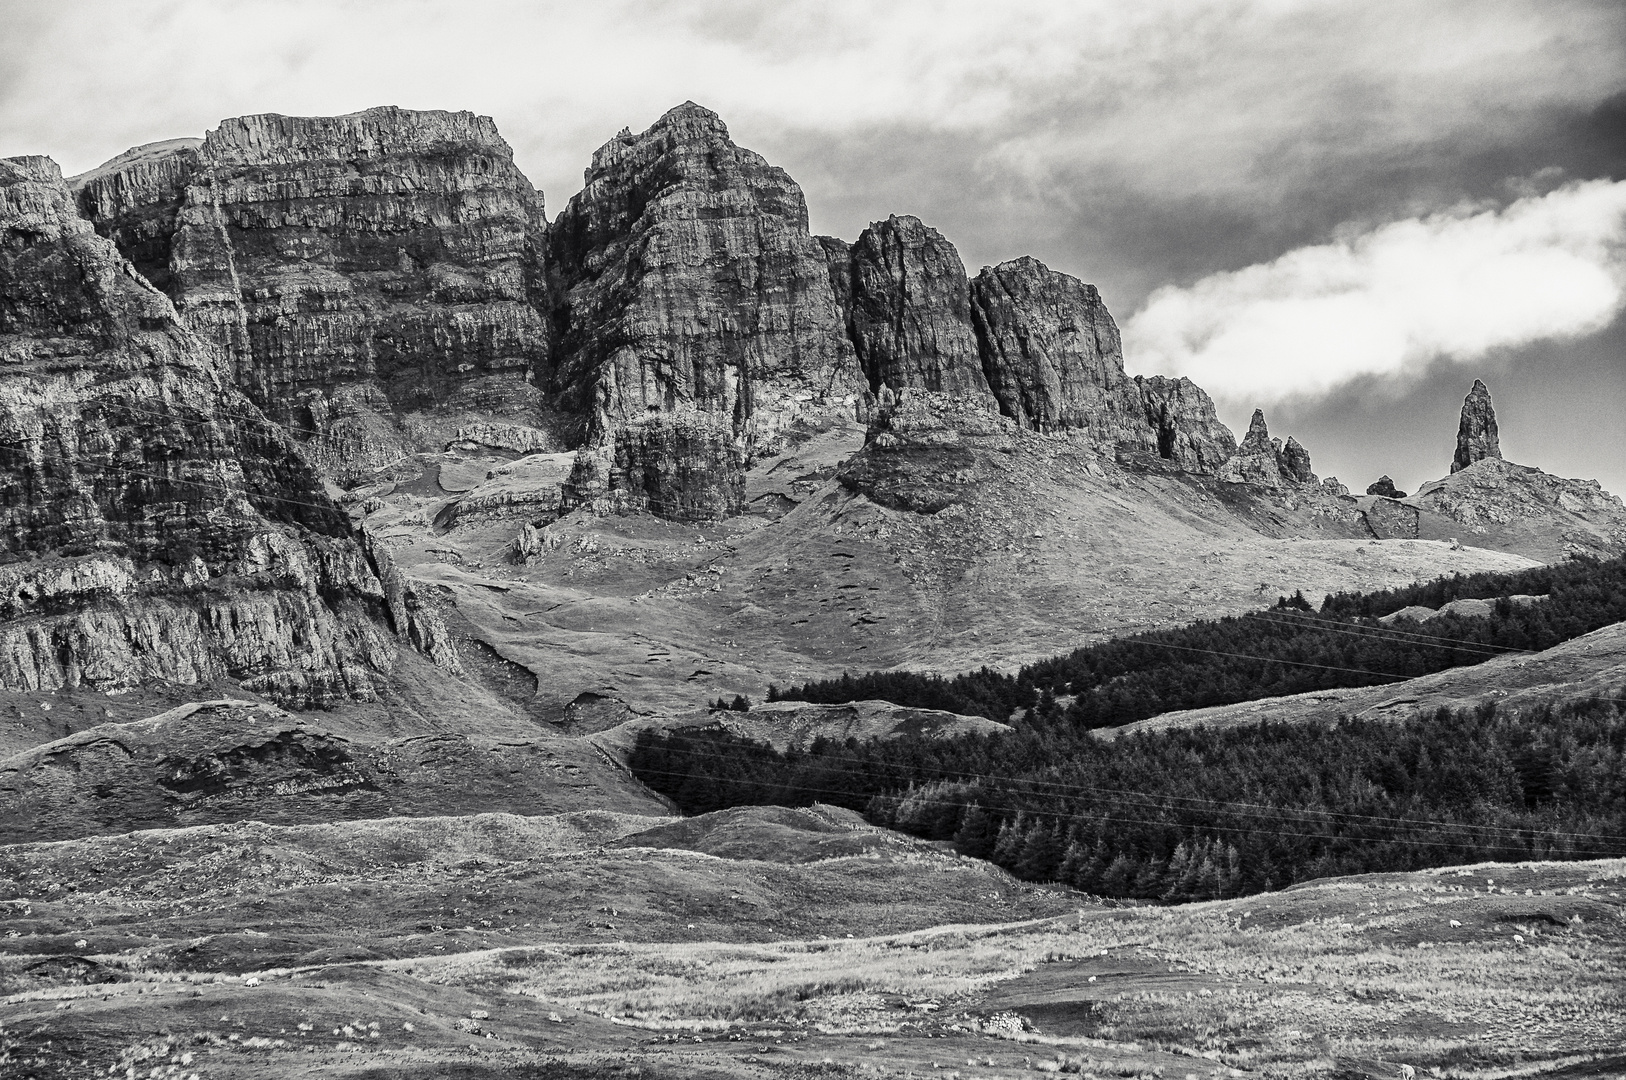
922,450
687,466
1385,487
684,280
1052,356
391,250
1477,436
1391,520
1051,352
134,201
528,489
909,311
1265,462
1257,460
153,523
1295,462
1181,425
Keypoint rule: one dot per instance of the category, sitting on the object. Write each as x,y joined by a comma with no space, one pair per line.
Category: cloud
1179,97
1393,299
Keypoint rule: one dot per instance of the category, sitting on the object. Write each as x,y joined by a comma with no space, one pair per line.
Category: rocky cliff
353,268
684,282
1477,437
153,523
909,311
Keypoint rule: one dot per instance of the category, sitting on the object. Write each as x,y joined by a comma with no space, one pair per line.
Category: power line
1376,631
1262,659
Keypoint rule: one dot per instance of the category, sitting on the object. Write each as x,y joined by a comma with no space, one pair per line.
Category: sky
1342,212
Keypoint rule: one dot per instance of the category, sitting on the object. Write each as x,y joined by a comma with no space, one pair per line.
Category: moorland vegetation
1288,649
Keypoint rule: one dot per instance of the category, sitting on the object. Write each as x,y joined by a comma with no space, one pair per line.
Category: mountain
672,446
370,277
155,526
356,520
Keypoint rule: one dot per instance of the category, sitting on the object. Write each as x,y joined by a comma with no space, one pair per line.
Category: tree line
1289,649
1196,814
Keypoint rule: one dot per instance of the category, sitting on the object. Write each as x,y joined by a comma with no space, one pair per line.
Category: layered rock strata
153,523
1477,437
909,311
351,267
693,309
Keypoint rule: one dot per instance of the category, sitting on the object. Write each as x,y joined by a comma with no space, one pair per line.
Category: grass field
501,945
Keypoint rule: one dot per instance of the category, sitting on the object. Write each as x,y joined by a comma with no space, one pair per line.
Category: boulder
1385,487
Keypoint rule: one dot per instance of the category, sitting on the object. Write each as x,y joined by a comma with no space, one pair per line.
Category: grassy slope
1049,548
1594,663
339,928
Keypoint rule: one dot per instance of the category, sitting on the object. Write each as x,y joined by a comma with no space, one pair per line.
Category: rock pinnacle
1476,435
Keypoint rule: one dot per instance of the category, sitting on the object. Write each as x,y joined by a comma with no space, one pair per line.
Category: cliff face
1028,342
684,282
352,267
909,311
1052,352
153,523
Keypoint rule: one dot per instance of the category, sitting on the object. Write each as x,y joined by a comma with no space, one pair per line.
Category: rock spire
1265,462
1476,434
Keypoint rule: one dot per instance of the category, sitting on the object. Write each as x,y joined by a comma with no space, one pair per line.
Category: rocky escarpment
693,309
353,268
909,311
153,523
1477,437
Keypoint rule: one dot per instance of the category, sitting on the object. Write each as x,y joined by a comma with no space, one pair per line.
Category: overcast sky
1341,210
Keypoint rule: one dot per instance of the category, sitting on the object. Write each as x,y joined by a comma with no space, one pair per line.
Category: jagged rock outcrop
1256,461
389,250
1477,437
685,466
1265,462
1181,425
684,280
1295,463
1053,358
1385,487
909,311
153,523
1052,352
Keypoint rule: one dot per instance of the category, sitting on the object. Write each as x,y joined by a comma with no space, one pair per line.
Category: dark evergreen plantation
1198,814
1288,649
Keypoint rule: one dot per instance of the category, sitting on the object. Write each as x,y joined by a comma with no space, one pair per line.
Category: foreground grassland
504,946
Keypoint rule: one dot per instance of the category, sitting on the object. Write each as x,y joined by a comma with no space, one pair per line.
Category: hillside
499,945
1591,665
